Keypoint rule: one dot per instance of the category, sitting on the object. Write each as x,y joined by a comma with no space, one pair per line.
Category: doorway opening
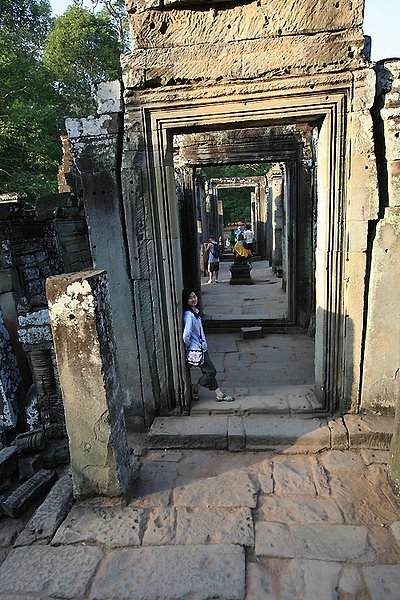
172,128
275,197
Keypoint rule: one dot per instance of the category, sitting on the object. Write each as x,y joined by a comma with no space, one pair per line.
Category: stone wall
382,348
37,243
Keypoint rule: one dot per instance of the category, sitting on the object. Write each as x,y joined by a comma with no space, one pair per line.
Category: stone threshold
232,324
292,435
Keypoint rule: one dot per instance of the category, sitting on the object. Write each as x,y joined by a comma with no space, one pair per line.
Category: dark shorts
213,267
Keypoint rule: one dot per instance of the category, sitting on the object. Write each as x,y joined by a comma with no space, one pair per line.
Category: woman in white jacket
194,339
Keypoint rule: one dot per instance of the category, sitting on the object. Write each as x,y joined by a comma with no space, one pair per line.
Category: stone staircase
292,434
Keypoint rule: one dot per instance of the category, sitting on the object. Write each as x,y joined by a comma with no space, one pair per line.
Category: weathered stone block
50,514
293,477
330,542
214,526
58,572
8,462
85,352
248,59
369,431
231,489
236,434
112,526
274,539
27,467
30,441
95,126
316,579
181,432
161,525
382,581
338,431
300,435
298,510
28,492
244,22
252,333
181,572
108,97
254,20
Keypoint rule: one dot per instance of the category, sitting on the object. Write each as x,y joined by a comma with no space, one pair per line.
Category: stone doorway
281,299
166,121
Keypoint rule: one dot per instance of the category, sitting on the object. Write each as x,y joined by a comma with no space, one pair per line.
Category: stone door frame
328,107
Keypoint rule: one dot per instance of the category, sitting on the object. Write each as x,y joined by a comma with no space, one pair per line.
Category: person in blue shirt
213,258
194,339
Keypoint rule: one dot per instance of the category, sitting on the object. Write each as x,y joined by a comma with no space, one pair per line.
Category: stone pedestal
240,272
85,353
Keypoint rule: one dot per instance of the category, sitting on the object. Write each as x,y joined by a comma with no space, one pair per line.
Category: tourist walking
196,349
214,253
248,238
238,232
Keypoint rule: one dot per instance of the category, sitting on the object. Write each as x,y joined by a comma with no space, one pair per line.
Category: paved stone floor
273,374
219,525
263,300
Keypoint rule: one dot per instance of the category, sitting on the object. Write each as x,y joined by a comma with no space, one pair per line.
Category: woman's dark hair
185,297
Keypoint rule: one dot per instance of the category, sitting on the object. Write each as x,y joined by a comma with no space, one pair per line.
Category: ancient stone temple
287,84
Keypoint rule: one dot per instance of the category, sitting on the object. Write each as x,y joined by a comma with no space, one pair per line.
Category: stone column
277,216
200,210
268,218
96,144
85,352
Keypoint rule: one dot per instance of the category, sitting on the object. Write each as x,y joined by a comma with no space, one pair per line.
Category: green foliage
47,68
30,108
82,49
247,170
236,204
25,23
235,201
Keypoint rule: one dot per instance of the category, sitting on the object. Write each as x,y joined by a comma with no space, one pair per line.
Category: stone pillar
277,218
96,144
200,209
85,352
268,218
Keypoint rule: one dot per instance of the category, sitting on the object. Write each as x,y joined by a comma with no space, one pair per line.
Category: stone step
251,333
272,400
279,433
223,323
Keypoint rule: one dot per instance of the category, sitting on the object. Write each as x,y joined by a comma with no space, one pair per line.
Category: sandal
225,398
195,395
